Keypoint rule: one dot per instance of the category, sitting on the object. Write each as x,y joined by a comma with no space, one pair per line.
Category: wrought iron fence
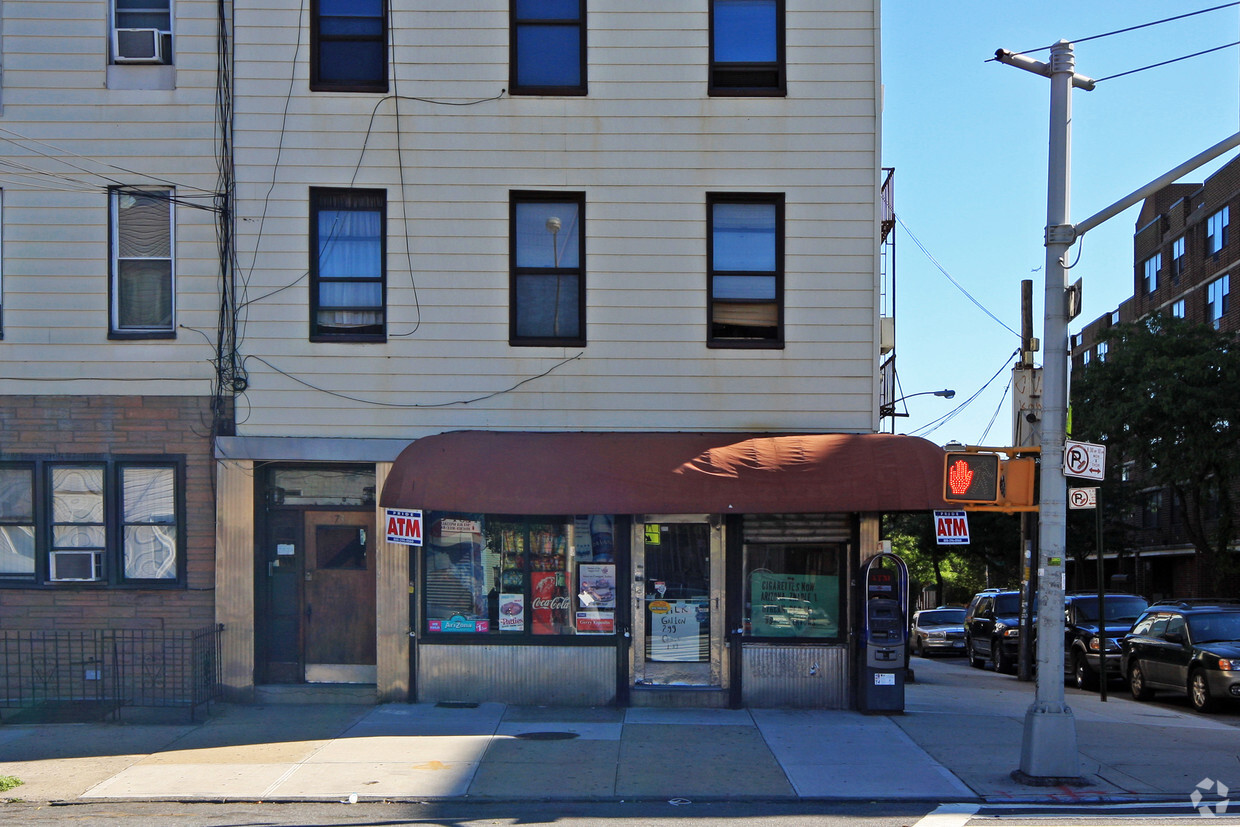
110,669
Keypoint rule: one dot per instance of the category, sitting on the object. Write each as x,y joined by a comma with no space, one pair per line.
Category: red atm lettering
952,527
404,527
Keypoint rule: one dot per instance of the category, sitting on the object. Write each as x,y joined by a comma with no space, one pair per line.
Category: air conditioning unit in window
76,565
138,45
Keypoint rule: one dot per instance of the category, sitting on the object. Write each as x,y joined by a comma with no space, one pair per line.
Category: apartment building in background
1184,256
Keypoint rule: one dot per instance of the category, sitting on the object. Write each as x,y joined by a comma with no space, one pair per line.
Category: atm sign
951,528
404,526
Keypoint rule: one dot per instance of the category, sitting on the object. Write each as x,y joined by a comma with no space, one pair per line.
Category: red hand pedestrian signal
959,477
971,478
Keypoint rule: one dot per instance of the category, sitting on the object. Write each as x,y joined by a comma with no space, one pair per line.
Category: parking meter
884,634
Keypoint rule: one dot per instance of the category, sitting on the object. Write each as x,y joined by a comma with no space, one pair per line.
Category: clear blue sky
968,141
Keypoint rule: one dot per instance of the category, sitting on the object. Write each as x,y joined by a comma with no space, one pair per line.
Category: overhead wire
934,425
1127,29
952,279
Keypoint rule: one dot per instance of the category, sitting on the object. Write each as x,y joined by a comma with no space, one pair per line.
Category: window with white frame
108,521
1102,351
1217,231
142,295
1149,281
1218,299
141,31
1085,357
1177,259
1178,309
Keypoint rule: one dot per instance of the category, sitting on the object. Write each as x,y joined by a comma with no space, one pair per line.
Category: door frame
718,665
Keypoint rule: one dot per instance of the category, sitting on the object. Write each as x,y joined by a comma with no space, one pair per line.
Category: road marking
949,815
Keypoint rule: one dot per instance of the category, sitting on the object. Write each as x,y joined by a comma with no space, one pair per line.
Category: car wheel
1199,692
974,660
1136,683
1082,674
1002,663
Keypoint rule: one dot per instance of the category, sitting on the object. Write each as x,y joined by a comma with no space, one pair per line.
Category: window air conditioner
138,46
76,565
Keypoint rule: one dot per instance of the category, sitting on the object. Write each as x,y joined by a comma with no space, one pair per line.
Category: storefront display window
793,590
509,576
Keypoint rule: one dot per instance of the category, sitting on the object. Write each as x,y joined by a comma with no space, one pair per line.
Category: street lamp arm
946,393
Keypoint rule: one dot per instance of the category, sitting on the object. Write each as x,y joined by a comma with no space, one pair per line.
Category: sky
968,141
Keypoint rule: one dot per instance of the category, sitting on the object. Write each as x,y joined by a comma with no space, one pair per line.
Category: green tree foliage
991,558
1166,400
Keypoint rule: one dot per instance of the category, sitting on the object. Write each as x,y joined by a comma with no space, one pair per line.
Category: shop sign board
951,528
404,526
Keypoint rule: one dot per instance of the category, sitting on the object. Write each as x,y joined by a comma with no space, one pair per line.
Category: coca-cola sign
559,602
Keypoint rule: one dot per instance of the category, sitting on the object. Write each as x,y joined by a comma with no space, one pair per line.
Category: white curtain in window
350,247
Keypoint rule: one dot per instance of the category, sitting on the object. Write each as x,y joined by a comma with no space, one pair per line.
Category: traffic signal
971,478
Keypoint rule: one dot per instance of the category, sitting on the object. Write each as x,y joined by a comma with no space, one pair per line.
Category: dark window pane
548,9
745,31
343,61
547,307
548,55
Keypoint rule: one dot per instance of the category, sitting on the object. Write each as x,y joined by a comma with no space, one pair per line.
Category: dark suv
1082,640
1188,646
992,629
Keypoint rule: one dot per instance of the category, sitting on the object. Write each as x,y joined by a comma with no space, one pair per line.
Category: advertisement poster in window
596,599
549,608
679,629
794,605
456,600
512,613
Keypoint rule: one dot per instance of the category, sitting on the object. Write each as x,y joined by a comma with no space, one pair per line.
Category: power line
959,287
935,424
1135,28
1168,62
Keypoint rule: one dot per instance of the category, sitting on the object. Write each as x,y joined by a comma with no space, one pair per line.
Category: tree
991,558
1165,400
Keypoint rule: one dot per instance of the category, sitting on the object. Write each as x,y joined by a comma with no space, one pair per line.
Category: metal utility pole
1049,748
1026,412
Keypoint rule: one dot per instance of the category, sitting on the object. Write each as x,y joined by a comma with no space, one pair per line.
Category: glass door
678,602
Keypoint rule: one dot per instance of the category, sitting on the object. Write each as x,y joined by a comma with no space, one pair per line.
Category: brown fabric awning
498,472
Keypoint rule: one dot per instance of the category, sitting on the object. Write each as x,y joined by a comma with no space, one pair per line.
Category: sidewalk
958,741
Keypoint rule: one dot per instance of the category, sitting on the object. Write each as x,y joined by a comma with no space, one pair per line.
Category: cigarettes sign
404,526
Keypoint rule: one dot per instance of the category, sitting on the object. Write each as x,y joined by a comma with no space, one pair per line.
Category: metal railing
107,669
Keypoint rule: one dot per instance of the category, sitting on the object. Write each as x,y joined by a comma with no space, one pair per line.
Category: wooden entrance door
338,600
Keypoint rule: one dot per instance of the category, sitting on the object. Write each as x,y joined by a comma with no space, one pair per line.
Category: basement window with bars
92,522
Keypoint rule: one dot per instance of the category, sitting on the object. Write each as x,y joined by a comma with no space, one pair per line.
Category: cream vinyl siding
74,137
645,145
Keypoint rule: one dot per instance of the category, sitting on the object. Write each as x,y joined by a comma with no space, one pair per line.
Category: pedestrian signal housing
971,478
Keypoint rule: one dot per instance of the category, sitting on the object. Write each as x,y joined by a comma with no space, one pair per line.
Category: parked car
992,629
938,630
1083,642
1190,646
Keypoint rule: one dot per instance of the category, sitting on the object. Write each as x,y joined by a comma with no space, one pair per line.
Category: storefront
644,568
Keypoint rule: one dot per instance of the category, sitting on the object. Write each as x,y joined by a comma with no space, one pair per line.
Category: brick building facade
1183,257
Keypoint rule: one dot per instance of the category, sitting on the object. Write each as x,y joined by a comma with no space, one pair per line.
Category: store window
519,577
794,590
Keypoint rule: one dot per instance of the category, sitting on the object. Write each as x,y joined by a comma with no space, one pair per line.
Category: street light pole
1049,748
